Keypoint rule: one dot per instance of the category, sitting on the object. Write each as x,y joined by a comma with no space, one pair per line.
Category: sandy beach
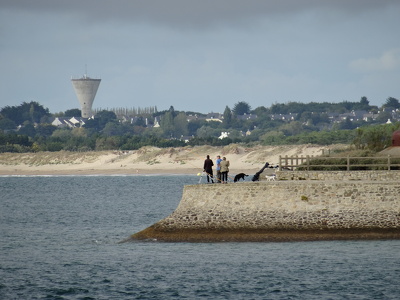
150,160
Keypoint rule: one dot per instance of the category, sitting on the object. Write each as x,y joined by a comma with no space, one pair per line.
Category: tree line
27,127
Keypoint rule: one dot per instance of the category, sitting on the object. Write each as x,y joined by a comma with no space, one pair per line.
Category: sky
199,56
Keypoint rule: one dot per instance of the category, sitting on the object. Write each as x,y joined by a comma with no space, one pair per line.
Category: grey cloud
189,13
389,60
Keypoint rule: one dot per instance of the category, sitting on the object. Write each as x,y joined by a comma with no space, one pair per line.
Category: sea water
59,240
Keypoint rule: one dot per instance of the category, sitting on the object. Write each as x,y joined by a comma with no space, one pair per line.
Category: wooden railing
339,163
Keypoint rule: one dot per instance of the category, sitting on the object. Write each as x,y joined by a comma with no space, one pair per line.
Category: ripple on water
59,241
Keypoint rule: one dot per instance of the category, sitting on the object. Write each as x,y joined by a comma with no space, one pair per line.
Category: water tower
86,89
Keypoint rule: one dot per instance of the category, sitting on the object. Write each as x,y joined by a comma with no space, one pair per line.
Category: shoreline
110,172
266,235
28,171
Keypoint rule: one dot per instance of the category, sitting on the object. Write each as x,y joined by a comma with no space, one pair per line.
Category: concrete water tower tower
86,89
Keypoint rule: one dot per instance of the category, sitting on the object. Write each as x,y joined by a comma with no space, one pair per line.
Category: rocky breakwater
286,210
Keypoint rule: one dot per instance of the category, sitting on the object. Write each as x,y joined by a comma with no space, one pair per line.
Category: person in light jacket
224,170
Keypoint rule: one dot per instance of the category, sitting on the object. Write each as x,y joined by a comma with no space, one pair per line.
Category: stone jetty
298,206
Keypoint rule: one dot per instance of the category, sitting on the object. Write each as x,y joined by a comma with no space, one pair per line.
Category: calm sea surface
59,234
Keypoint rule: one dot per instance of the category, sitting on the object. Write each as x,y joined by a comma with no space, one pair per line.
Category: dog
270,177
282,168
239,176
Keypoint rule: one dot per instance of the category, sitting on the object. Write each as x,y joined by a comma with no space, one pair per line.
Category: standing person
218,168
208,164
224,169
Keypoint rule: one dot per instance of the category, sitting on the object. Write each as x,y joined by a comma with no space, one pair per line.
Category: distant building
246,117
214,117
284,117
73,122
156,122
223,135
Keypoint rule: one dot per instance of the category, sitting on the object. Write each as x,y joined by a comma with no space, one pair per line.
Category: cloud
389,60
189,13
197,55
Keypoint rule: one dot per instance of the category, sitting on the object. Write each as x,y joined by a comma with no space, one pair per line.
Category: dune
151,160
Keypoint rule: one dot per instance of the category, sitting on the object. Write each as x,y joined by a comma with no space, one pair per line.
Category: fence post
348,163
280,163
308,162
389,162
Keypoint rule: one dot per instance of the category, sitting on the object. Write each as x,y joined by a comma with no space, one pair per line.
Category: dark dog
239,176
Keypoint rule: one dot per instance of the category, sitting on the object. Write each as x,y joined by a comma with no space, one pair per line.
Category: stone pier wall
294,206
288,205
339,175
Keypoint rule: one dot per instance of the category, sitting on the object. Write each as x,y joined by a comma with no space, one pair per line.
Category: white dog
270,177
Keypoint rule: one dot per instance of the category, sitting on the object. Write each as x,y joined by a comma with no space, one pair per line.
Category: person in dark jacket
208,164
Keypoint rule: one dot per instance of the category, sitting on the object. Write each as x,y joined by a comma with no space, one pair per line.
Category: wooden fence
339,163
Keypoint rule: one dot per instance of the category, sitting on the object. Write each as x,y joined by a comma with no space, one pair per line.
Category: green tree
273,138
28,130
106,116
7,124
100,120
241,108
167,123
392,103
293,128
140,121
172,111
75,112
194,125
261,111
374,138
112,129
235,134
227,121
63,134
383,117
206,131
181,125
346,124
358,139
31,111
45,129
79,132
364,103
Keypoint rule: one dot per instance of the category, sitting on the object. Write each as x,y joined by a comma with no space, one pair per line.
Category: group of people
222,169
